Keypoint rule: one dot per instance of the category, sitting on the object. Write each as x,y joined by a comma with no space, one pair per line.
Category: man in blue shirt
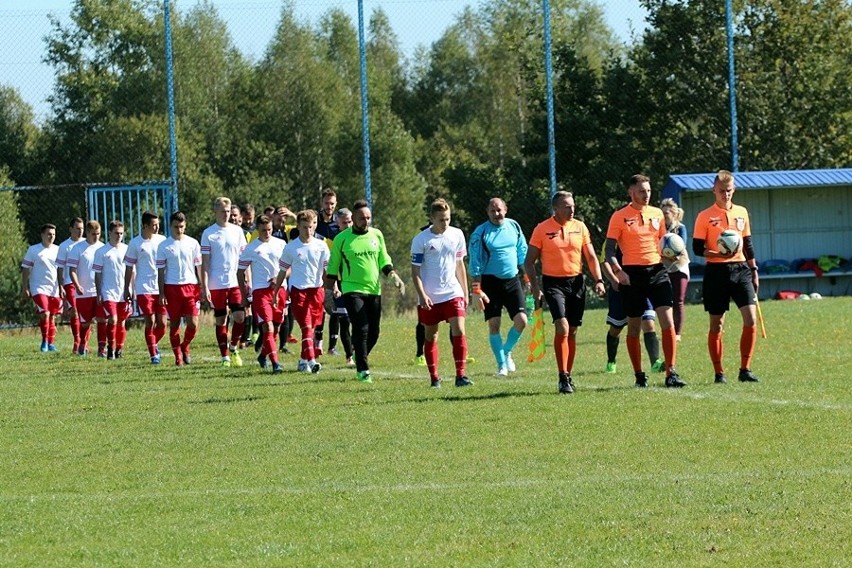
497,250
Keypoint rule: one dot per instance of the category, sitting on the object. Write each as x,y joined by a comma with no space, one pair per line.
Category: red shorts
261,305
49,304
149,304
182,300
454,308
70,296
121,310
307,306
221,299
87,309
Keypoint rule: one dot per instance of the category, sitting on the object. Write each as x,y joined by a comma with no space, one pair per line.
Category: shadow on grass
233,400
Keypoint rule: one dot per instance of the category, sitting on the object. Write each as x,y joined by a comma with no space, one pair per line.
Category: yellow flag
536,346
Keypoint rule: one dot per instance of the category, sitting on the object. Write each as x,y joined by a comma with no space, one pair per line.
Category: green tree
18,135
795,100
12,308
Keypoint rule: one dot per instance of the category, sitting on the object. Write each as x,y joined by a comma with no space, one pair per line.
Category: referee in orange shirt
636,229
560,243
728,277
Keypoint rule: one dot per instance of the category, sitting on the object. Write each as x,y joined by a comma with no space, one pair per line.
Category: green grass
122,463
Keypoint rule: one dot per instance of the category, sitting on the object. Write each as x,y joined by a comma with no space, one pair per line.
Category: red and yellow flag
536,346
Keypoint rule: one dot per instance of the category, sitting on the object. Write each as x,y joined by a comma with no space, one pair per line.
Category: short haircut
148,217
439,206
723,176
222,202
268,210
93,226
560,195
637,179
46,227
248,208
308,215
360,204
114,224
329,191
178,217
342,212
263,220
76,220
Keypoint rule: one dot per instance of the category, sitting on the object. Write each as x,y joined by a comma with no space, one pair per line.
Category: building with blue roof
796,215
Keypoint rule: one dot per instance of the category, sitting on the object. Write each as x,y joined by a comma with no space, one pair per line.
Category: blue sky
251,23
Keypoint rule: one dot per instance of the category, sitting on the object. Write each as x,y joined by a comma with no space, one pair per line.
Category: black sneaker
641,380
673,380
566,385
436,383
746,376
119,353
110,355
261,360
720,379
463,381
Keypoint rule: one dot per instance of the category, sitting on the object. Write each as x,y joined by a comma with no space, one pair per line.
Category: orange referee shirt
638,233
712,221
561,246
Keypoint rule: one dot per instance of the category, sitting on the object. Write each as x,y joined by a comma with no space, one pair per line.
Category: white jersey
142,256
179,259
62,259
223,245
41,262
308,261
263,260
109,263
437,255
82,258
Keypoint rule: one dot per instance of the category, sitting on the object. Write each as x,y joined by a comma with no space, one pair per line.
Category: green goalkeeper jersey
357,261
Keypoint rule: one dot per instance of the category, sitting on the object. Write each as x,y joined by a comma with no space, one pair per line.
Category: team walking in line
279,269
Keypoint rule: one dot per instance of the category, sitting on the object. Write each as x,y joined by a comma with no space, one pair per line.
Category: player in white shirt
81,265
262,256
39,281
66,290
109,280
440,278
304,262
140,281
221,245
178,273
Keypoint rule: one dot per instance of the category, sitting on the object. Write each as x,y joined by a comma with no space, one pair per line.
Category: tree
12,307
18,135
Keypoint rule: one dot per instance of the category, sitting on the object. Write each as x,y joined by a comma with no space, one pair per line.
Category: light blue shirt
497,250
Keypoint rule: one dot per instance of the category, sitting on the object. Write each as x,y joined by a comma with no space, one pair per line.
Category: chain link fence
268,107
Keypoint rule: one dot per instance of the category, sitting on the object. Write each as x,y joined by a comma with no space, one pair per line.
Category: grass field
122,463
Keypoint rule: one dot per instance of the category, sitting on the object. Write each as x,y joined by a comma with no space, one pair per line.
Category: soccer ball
729,241
671,245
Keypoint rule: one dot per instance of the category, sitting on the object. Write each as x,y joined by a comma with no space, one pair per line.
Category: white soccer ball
671,245
816,296
729,241
804,297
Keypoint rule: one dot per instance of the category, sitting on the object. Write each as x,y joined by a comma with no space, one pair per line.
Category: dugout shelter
801,225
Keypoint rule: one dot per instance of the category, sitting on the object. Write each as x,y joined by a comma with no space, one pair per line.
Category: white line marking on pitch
595,479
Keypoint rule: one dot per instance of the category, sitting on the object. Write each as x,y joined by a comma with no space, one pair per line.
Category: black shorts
502,293
566,298
647,284
616,317
726,281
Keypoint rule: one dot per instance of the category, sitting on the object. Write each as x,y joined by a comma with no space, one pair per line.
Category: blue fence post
732,86
170,88
365,111
548,72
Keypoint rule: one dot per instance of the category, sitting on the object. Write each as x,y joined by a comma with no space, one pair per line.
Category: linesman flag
536,346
